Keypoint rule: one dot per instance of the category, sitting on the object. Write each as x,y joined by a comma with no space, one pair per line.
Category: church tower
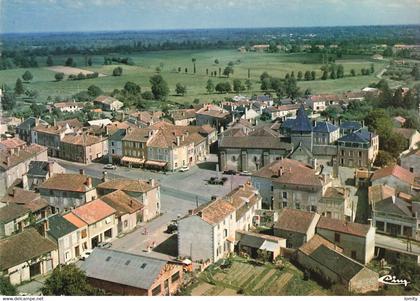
301,130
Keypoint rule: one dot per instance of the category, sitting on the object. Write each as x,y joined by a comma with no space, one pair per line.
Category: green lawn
276,65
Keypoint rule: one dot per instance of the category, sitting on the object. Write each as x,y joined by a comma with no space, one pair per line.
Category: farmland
145,65
245,278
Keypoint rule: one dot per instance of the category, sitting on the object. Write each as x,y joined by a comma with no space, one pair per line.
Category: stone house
27,255
183,117
336,203
108,103
325,133
14,164
395,176
397,217
251,152
214,116
120,273
100,218
50,136
67,237
357,149
411,162
115,146
13,218
134,146
83,148
82,233
24,130
324,258
128,211
68,107
40,171
289,183
320,102
66,191
146,193
145,119
296,226
356,240
411,137
38,207
207,233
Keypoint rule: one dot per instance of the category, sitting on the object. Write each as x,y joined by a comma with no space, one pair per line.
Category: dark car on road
217,181
229,172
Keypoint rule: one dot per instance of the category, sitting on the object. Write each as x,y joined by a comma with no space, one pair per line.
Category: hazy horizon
55,16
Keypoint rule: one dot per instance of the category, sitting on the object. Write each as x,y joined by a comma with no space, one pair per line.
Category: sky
114,15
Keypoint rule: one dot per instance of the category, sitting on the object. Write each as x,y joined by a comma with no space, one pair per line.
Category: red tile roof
122,202
94,211
295,220
317,241
12,143
75,220
343,226
67,182
215,211
396,171
288,171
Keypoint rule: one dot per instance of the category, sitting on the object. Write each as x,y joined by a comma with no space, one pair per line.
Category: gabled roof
106,99
337,225
214,211
122,202
243,198
396,171
67,182
127,185
12,211
12,143
377,193
23,247
76,221
82,139
325,127
8,160
302,122
288,171
295,220
25,198
59,226
29,123
38,168
254,142
394,205
309,247
93,211
336,262
123,268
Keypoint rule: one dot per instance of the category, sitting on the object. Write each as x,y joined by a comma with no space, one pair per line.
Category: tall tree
94,91
68,280
228,71
324,75
19,89
210,86
313,75
299,75
248,84
50,61
159,87
194,60
89,61
238,86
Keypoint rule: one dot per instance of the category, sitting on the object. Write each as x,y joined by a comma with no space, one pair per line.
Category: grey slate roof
362,135
394,205
344,266
59,226
38,168
350,125
118,135
29,123
302,122
325,127
123,268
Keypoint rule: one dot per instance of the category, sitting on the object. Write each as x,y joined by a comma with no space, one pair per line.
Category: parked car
105,245
172,228
217,181
110,166
86,254
245,173
229,172
184,169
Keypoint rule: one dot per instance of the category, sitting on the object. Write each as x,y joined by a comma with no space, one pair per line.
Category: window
337,237
175,277
284,204
84,233
353,254
67,255
225,233
156,291
297,206
125,223
108,234
284,194
411,169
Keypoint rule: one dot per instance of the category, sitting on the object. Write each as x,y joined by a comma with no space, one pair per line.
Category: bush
147,95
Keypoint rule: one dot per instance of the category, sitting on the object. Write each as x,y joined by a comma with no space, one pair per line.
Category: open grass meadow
276,64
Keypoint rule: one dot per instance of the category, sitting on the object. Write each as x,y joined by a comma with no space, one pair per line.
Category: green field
276,65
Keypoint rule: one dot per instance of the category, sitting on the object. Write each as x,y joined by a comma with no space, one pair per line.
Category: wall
411,162
264,186
365,281
195,238
294,240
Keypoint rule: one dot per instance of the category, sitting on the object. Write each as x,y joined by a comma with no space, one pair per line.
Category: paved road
396,244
